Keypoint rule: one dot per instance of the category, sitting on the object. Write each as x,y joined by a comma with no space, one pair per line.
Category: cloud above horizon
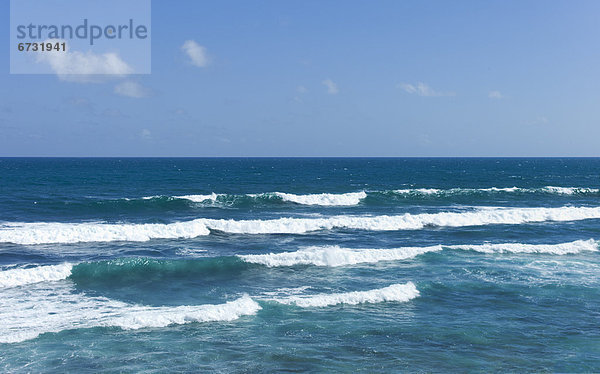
332,88
131,89
83,67
495,95
196,53
422,89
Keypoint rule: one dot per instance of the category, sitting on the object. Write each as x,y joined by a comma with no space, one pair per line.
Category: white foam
336,256
199,198
419,191
483,216
324,199
575,247
27,313
19,277
395,292
460,191
137,317
55,232
570,190
41,233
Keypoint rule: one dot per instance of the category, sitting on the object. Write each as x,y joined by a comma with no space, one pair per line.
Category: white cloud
146,134
332,88
423,89
131,89
495,95
301,89
83,67
197,53
539,121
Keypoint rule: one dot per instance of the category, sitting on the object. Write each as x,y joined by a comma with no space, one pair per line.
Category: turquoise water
247,265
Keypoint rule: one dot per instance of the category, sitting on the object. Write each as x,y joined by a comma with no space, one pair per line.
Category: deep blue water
265,265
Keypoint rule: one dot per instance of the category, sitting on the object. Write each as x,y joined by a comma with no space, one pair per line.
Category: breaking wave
322,199
575,247
55,232
22,276
395,292
483,216
27,315
42,233
335,256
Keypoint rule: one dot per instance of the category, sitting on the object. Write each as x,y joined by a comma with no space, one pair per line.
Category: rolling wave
575,247
479,217
335,256
137,269
45,233
395,292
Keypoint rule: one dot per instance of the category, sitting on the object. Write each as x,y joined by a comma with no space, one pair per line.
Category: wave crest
483,216
574,247
48,273
336,256
395,292
324,199
55,232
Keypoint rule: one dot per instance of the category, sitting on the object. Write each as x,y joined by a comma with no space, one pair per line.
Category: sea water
264,265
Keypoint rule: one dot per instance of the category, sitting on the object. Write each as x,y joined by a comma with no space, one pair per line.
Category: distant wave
322,199
492,190
354,198
336,256
40,233
395,292
160,203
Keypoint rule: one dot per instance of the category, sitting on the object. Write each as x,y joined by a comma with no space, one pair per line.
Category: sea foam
471,191
200,198
336,256
324,199
395,292
41,233
574,247
26,315
55,232
483,216
23,276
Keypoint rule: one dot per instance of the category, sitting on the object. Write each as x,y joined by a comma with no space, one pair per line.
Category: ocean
299,265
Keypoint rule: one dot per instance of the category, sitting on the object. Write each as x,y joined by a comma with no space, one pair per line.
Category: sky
328,78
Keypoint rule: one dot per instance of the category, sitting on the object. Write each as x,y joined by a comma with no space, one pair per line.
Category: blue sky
329,78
